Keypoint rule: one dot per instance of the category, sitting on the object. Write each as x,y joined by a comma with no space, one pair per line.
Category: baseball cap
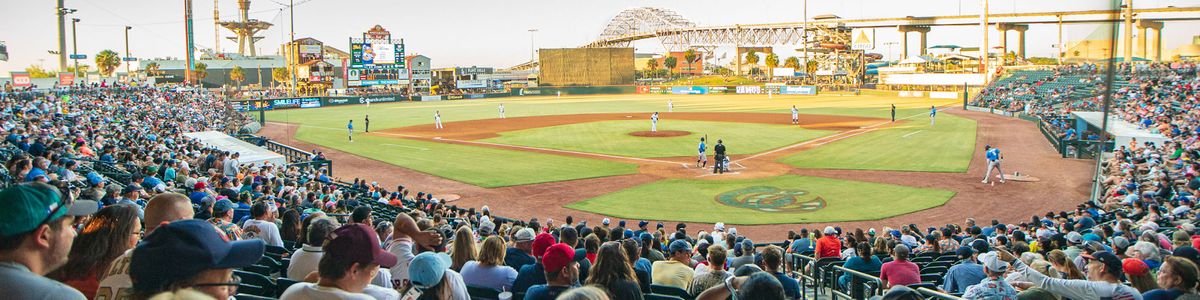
679,245
27,206
1135,267
557,257
1091,237
992,262
719,226
188,247
1187,252
643,223
358,243
486,227
605,221
621,223
980,246
129,188
829,230
1074,237
1112,264
199,185
524,235
222,205
541,242
427,269
94,178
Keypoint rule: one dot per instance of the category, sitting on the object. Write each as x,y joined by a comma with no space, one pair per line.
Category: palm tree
280,75
37,71
689,57
151,69
772,62
237,75
811,67
792,62
652,66
669,63
107,62
83,68
201,71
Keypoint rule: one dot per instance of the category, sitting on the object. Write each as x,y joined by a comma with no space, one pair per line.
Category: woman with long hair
463,249
489,270
1139,275
1059,261
613,273
863,262
1177,276
112,231
290,231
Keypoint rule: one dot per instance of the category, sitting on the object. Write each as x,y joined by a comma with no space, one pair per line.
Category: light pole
74,48
62,12
127,56
889,44
532,48
294,50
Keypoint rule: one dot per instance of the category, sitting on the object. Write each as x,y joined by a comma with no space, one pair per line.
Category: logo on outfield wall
772,199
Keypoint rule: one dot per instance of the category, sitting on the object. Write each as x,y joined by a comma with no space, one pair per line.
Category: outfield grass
480,166
611,137
687,200
914,146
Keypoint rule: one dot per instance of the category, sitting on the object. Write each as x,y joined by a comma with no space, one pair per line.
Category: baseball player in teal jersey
350,130
932,115
993,159
702,160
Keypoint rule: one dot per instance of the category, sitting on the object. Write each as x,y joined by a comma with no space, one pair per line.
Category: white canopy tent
250,154
1122,131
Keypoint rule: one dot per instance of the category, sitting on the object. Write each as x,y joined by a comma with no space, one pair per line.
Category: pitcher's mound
660,133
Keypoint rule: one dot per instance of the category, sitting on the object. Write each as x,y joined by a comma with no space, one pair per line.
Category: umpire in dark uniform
719,158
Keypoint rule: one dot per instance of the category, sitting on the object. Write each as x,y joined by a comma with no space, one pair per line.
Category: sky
486,33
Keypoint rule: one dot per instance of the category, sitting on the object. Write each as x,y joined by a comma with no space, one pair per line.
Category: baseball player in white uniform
795,115
437,119
670,105
654,122
501,110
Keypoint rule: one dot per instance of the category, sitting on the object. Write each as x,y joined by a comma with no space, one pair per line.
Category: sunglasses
231,285
55,207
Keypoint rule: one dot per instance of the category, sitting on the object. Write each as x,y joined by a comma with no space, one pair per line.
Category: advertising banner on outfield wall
643,89
689,90
431,98
798,90
749,89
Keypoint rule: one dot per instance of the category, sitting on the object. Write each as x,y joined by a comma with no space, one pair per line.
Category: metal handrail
937,294
858,286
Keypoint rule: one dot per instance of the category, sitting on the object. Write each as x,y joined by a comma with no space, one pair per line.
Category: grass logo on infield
772,199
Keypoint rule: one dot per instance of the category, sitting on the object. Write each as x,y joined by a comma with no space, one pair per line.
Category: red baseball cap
541,242
358,243
1135,267
557,257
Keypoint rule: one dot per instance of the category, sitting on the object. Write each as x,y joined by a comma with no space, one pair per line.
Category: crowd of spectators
192,222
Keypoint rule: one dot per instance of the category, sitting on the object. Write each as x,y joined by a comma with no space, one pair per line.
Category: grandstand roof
251,154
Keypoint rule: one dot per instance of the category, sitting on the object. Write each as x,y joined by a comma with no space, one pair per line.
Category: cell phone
411,294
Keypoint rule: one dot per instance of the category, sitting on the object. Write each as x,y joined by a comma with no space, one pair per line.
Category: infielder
893,113
795,115
350,130
932,115
437,119
501,110
367,120
702,161
654,122
670,105
993,159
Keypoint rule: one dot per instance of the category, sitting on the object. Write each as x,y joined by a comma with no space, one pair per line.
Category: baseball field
594,155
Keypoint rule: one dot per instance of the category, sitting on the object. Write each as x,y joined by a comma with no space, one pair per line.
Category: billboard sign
689,90
798,90
66,78
472,84
310,102
749,89
21,79
376,56
862,39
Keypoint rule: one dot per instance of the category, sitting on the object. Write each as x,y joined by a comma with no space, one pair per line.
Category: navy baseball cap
222,205
182,249
643,224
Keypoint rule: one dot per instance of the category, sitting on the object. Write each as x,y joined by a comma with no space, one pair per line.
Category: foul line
912,133
505,146
833,138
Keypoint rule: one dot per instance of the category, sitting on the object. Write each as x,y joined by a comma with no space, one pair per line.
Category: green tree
280,75
83,68
151,69
107,62
772,62
811,67
792,62
237,75
690,57
36,71
752,57
201,71
670,62
651,67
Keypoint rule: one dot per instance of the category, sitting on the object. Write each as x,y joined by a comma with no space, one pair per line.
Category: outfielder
670,105
795,115
932,115
893,113
367,121
993,159
501,110
350,130
702,161
437,119
654,122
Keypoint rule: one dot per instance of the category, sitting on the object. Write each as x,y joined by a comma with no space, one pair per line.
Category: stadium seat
260,284
933,270
282,284
277,249
259,269
931,278
921,259
670,290
253,290
482,293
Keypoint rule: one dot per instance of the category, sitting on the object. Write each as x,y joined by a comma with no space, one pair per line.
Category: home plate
1020,177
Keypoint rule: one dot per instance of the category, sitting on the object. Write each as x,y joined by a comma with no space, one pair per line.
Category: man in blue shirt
534,274
561,271
964,274
993,160
772,259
